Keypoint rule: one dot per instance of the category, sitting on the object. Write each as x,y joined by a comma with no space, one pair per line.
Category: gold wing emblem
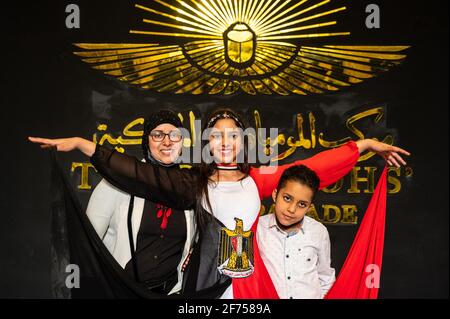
200,67
240,46
236,251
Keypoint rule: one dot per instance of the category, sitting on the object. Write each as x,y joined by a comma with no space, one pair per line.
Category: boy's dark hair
302,175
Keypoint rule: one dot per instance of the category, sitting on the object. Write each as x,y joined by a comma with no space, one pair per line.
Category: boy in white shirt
295,248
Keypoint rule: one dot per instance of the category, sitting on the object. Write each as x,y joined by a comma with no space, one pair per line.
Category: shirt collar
273,223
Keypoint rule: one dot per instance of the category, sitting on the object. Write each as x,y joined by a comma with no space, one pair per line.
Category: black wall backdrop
48,91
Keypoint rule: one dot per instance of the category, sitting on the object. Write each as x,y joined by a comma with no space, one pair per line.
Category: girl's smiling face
225,141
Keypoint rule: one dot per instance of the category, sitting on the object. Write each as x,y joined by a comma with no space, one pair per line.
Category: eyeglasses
158,136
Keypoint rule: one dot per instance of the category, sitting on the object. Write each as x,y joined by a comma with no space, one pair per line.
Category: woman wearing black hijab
162,237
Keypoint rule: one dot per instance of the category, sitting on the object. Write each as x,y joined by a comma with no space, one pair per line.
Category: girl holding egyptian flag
226,192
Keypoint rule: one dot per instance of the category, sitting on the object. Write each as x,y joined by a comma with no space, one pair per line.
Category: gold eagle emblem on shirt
225,46
236,251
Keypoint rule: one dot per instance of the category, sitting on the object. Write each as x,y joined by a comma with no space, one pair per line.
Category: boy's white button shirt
299,262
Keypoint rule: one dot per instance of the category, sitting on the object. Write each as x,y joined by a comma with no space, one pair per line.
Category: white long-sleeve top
299,262
108,211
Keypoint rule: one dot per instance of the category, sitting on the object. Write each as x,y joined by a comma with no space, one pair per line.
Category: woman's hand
390,153
66,144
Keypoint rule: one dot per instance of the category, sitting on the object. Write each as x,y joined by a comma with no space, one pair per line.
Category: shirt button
287,256
161,236
299,249
309,259
291,297
156,257
289,277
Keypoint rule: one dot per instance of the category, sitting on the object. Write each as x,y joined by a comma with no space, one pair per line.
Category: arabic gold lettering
127,130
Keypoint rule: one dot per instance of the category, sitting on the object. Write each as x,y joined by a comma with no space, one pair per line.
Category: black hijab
152,121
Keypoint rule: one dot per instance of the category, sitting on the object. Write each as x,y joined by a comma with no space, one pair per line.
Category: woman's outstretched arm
171,186
66,144
392,154
330,165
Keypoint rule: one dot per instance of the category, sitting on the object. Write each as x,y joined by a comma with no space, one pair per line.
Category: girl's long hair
207,170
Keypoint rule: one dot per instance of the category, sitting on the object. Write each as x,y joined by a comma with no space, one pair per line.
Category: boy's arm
324,269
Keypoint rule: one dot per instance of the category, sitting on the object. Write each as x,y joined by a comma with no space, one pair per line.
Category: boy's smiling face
292,202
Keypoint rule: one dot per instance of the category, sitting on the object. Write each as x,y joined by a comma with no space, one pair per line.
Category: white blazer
108,211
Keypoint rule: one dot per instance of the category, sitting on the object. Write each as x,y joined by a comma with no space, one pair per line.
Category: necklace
227,167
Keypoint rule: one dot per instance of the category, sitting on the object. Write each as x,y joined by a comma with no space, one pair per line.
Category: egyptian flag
360,275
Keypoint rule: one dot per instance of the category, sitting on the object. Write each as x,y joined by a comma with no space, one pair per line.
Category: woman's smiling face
165,151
